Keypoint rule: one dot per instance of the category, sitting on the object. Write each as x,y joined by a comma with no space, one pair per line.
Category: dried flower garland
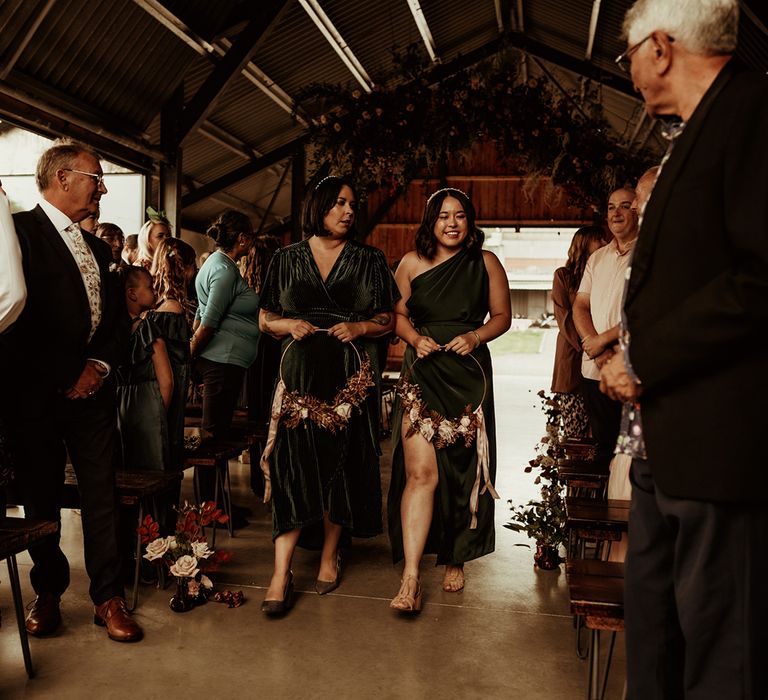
443,431
332,415
431,424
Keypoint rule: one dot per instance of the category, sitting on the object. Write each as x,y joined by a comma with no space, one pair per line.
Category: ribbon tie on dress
483,468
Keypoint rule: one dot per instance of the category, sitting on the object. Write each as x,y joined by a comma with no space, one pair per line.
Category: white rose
344,410
206,582
414,415
465,421
200,550
156,549
185,566
427,430
304,412
445,430
172,543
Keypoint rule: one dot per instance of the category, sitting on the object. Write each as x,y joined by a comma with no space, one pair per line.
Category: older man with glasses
64,346
695,357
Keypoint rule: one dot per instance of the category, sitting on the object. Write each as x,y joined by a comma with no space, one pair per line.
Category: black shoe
274,608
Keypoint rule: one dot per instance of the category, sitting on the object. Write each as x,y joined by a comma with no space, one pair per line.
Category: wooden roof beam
423,27
592,29
229,67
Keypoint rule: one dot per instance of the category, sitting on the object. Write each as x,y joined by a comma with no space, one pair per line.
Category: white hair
706,27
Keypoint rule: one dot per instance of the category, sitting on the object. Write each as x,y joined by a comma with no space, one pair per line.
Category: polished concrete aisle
509,634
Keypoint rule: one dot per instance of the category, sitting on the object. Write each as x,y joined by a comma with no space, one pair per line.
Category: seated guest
64,387
112,235
130,249
155,229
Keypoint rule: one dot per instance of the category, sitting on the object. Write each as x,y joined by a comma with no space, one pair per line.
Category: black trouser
86,429
222,384
604,419
695,605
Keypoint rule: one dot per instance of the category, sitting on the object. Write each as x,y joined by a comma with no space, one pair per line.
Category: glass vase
180,602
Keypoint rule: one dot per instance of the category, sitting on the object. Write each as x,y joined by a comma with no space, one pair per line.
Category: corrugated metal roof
111,65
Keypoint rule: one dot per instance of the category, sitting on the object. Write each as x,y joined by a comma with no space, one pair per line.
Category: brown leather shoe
44,617
114,615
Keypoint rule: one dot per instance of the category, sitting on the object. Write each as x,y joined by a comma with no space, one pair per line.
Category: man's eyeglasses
99,178
623,62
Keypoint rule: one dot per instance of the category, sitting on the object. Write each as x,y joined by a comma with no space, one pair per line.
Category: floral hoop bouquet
186,552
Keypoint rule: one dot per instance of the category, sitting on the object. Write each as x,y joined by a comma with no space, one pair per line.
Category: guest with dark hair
112,235
130,249
566,375
441,492
226,323
145,380
327,298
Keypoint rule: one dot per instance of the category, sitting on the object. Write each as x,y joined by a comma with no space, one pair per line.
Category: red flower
149,530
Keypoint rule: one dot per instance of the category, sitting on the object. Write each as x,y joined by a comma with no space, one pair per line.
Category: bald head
644,187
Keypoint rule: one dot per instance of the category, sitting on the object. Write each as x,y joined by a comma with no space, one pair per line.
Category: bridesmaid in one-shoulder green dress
443,447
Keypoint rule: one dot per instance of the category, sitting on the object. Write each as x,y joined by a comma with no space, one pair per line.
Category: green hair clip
157,217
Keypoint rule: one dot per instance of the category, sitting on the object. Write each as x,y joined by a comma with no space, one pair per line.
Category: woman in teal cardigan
226,322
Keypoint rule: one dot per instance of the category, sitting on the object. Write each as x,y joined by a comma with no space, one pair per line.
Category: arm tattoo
382,319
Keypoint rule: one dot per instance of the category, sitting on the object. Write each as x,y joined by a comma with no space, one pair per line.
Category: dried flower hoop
332,415
443,431
434,426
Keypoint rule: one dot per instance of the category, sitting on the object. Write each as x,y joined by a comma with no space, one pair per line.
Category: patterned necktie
90,274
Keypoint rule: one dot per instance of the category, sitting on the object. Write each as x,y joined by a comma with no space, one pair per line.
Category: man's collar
58,218
628,246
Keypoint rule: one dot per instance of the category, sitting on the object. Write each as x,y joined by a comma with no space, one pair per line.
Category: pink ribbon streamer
483,469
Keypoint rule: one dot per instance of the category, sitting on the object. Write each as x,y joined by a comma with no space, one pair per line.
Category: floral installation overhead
185,553
386,138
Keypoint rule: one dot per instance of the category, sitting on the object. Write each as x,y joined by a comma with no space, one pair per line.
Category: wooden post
298,177
170,172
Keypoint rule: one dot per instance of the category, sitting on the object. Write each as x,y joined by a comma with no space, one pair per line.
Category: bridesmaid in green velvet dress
454,300
324,482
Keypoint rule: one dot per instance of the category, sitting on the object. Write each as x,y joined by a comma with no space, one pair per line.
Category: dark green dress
446,301
174,329
142,419
312,470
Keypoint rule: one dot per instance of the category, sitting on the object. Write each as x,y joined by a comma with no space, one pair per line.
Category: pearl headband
446,189
327,177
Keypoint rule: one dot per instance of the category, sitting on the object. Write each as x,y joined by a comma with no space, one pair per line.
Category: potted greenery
543,519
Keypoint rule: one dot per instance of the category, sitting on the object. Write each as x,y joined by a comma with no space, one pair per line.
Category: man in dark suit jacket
696,311
67,342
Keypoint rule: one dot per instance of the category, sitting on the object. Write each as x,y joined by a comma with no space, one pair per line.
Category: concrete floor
509,634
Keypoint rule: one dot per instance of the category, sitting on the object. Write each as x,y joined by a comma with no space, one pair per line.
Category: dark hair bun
214,231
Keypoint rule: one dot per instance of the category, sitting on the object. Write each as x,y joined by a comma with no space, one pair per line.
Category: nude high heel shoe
407,601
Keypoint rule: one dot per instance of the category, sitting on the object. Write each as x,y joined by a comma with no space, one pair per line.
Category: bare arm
278,327
374,327
424,345
163,371
582,316
200,339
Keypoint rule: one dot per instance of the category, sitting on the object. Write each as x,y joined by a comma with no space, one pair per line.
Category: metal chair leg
593,666
581,652
13,576
608,664
227,498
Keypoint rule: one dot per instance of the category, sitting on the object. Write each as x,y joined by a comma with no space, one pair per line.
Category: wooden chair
16,536
596,590
592,520
139,489
216,457
583,478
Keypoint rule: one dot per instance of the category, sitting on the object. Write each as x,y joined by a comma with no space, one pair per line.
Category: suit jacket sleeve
561,299
726,316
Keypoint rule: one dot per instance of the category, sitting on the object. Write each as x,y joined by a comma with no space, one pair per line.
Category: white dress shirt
13,290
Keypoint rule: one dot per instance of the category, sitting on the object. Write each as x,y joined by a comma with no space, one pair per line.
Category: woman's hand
424,345
463,344
301,329
346,332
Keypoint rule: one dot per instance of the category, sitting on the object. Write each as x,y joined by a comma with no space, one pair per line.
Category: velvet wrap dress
312,470
448,300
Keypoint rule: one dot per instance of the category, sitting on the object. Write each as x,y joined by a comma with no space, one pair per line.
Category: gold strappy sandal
406,602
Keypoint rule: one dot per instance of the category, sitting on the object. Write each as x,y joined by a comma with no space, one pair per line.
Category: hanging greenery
386,138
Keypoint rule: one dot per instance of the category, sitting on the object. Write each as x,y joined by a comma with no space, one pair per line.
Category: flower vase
547,557
181,601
